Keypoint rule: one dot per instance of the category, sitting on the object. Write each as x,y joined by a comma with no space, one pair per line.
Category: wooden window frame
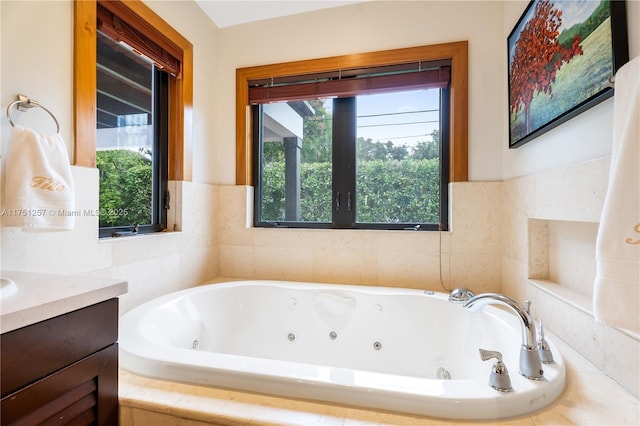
457,52
84,85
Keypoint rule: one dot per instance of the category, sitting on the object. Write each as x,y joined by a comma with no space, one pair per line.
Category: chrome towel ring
23,103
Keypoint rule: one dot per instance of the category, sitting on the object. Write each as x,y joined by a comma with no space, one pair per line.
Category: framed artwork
563,56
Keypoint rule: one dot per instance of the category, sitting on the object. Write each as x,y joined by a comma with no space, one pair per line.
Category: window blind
116,21
346,83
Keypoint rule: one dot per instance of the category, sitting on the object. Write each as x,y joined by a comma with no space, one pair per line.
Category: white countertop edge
43,296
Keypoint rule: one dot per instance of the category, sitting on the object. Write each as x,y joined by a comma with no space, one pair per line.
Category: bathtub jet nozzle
530,365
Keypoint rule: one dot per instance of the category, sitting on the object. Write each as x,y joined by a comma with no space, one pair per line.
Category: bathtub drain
291,337
333,335
195,344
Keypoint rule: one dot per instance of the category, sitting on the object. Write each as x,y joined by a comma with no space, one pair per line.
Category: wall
583,138
160,263
488,247
408,259
559,177
365,27
552,198
36,60
467,256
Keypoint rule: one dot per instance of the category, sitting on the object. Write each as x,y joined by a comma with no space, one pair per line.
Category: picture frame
562,58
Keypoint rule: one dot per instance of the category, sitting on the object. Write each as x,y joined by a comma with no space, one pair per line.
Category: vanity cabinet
63,370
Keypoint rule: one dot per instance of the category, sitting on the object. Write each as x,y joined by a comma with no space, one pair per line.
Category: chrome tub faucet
530,365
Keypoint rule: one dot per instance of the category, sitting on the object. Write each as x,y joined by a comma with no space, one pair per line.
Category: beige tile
198,266
479,272
591,399
139,417
573,326
622,359
345,239
143,247
237,261
200,214
476,217
517,206
284,237
149,279
348,265
538,233
572,193
572,255
409,269
284,263
233,226
402,241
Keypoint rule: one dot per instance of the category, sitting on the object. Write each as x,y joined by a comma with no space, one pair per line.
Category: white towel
38,187
616,300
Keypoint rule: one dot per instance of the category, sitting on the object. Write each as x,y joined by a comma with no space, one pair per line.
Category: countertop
43,296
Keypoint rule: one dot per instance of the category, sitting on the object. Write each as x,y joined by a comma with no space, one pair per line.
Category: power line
398,113
399,124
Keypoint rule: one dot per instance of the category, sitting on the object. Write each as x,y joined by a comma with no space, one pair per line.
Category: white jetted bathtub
403,350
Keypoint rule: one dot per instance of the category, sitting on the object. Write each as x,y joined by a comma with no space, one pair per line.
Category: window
367,153
131,141
133,84
357,200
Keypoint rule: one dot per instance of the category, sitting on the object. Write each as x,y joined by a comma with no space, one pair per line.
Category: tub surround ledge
590,397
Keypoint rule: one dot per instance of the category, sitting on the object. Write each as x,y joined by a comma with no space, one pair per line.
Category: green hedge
125,188
389,191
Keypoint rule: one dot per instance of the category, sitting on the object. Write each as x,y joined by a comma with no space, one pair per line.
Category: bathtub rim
478,406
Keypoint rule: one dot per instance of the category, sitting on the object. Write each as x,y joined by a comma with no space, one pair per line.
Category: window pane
296,161
125,136
397,157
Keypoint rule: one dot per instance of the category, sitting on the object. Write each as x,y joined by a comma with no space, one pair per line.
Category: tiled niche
562,259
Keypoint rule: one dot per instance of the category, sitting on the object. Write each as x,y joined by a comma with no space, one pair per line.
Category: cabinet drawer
33,352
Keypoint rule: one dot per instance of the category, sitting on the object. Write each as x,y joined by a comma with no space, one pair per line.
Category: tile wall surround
538,212
487,249
381,258
152,264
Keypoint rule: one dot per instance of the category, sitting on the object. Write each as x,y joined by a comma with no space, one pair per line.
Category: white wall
37,60
186,17
372,26
585,137
559,180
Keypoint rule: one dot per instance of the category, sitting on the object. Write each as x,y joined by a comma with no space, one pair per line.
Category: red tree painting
537,57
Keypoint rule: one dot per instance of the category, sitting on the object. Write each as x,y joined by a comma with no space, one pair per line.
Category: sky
405,118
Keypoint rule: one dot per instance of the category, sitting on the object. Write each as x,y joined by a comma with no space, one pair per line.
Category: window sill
146,236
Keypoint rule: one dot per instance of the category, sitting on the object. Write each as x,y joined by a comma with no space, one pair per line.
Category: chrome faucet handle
546,356
486,355
499,378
